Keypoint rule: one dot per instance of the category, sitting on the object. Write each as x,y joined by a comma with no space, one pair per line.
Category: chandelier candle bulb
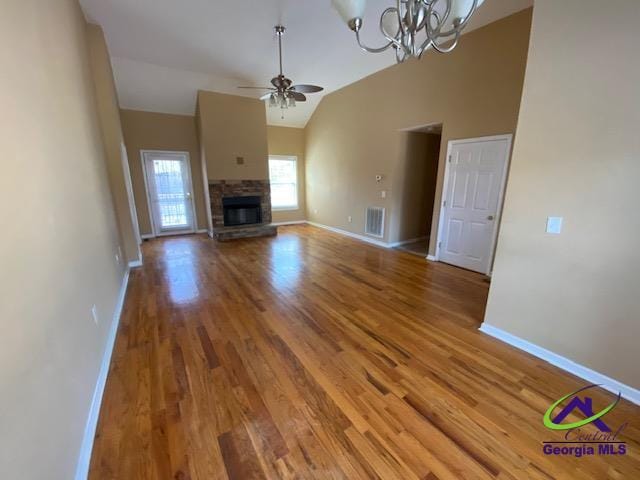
461,9
350,9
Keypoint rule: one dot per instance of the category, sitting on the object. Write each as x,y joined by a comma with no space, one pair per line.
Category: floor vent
375,222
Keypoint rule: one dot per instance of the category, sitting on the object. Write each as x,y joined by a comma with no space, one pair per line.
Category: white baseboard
407,242
147,236
84,461
295,222
629,393
202,230
432,258
135,263
363,238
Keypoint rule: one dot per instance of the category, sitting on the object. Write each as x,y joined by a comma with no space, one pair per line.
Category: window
283,174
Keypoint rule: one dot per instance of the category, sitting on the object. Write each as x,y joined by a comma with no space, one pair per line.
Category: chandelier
413,26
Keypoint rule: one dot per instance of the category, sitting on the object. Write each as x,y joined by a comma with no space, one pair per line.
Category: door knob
490,217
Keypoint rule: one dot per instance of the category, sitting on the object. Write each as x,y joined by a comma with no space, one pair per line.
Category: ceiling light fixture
283,94
413,26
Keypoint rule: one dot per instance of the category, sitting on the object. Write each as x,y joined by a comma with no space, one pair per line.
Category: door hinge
444,204
439,244
450,158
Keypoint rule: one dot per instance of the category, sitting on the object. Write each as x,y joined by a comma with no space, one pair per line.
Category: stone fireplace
241,209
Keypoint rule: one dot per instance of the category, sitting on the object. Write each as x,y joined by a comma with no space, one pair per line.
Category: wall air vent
374,224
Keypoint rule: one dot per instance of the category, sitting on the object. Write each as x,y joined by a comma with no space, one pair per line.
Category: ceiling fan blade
258,88
306,88
297,95
266,97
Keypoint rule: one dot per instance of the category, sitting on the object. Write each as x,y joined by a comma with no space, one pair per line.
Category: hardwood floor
312,355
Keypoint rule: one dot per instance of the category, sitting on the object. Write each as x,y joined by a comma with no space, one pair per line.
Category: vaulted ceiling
164,51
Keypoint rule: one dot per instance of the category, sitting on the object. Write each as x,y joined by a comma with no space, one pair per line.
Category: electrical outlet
94,314
350,219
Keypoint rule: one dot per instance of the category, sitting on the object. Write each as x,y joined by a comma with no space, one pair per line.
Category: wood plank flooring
312,355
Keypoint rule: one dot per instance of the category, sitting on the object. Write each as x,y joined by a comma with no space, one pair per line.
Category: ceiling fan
283,94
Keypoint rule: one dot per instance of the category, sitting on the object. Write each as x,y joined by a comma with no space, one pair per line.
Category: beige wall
354,134
58,253
576,155
289,141
161,131
109,115
231,127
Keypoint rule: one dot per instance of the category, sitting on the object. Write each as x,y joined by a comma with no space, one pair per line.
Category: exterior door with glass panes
169,192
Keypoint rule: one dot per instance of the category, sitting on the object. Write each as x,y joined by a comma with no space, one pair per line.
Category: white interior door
475,179
169,190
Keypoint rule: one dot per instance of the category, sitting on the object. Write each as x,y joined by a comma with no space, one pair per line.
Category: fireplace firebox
242,211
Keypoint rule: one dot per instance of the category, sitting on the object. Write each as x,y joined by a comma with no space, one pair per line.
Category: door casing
445,190
155,228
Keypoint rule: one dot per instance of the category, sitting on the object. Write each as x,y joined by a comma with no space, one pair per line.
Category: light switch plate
94,314
554,225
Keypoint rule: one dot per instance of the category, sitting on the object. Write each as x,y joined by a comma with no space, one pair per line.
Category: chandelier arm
394,40
410,15
448,49
399,12
433,42
369,49
425,46
432,36
414,48
435,32
401,55
425,17
457,27
430,40
437,16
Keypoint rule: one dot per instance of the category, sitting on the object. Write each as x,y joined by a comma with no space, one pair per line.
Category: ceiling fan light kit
283,94
413,26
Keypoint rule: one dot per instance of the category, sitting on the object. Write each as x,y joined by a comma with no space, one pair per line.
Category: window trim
294,159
